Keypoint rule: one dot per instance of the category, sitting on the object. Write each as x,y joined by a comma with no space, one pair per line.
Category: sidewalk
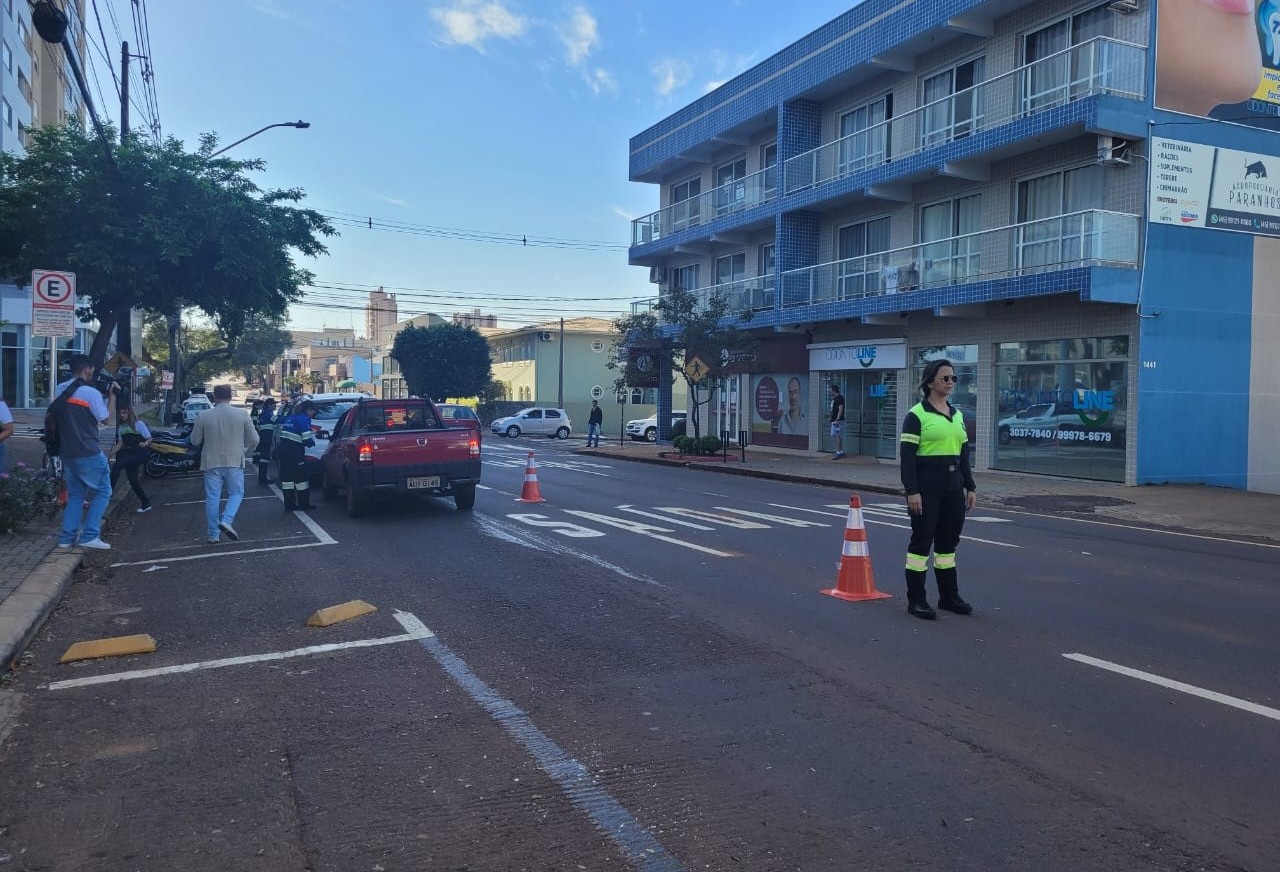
33,577
1197,509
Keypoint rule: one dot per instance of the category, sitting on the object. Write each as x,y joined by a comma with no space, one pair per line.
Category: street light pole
301,125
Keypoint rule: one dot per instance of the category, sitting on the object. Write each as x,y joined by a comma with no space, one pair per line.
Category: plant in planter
25,495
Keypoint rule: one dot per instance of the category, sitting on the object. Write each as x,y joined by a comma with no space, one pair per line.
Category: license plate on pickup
423,482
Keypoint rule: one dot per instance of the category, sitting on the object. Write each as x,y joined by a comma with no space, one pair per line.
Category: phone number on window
1084,436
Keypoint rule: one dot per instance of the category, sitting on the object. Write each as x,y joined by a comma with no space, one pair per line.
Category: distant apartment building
1014,185
380,316
475,318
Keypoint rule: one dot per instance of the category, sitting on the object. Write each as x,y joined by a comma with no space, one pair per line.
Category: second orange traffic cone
530,492
855,581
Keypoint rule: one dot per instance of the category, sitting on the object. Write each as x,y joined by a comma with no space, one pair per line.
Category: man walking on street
224,434
837,420
79,411
594,425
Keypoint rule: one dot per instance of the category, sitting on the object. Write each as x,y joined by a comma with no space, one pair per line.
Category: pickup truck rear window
396,418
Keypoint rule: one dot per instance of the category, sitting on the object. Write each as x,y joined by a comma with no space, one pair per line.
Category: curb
24,611
751,473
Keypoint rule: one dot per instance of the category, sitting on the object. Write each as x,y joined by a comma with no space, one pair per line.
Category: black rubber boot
949,592
290,499
917,601
304,500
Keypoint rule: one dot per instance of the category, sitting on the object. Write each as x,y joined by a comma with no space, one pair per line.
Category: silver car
536,421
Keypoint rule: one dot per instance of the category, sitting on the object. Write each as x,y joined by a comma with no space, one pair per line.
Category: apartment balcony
1101,66
1081,239
757,294
729,199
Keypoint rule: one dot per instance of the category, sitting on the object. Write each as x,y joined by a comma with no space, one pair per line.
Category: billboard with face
1219,59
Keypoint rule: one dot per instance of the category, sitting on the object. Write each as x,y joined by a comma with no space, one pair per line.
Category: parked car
193,407
330,408
540,421
399,446
646,429
455,415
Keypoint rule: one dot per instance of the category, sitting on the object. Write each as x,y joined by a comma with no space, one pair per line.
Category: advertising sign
166,380
1196,185
877,354
643,367
53,303
778,410
1219,59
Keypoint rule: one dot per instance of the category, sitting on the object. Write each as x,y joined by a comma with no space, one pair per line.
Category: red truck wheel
464,498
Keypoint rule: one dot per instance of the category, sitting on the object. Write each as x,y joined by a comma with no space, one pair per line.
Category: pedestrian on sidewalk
266,439
224,434
940,490
6,430
293,437
129,453
79,411
595,423
837,419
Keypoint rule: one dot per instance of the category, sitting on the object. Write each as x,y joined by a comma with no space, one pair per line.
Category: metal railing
1090,238
1099,66
745,295
736,196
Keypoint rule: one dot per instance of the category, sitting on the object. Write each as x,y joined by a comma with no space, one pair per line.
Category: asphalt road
640,673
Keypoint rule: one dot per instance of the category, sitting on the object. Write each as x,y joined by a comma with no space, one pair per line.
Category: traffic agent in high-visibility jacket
293,437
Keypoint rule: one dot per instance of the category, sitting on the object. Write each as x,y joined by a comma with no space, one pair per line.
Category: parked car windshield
333,409
457,413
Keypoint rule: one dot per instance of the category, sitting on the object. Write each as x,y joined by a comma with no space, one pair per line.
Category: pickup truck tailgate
396,457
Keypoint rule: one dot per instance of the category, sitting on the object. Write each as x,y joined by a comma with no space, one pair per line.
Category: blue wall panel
1193,375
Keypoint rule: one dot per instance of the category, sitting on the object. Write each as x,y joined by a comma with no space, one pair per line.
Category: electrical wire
347,219
449,296
107,56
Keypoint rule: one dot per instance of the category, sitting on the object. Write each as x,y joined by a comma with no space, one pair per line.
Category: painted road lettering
724,520
649,530
777,519
564,528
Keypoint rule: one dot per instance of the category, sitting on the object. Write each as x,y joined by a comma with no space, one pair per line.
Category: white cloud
473,22
394,201
599,80
671,73
580,34
623,213
711,86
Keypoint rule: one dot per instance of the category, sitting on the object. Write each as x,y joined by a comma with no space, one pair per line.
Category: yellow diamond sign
696,369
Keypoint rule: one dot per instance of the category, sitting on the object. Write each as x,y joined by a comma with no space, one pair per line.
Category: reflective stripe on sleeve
910,438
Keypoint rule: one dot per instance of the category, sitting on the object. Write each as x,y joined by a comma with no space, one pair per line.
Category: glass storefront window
1062,407
965,397
41,370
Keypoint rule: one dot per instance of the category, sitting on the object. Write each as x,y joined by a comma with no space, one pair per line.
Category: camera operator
84,404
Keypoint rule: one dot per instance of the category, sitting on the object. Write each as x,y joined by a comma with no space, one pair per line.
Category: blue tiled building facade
973,180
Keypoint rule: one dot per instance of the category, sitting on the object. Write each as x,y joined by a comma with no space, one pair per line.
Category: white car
194,407
646,429
538,421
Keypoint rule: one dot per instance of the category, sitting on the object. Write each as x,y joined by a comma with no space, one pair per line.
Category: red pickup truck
400,446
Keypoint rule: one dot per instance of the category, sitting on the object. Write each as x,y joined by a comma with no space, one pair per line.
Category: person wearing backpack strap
78,413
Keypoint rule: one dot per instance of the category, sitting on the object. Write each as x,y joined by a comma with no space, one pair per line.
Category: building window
1052,231
857,270
1055,75
731,268
685,278
6,113
767,267
6,58
953,103
955,253
24,35
864,137
731,190
1062,407
685,203
24,87
769,163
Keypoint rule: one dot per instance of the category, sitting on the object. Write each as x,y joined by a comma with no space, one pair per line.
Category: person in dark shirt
940,490
837,420
595,423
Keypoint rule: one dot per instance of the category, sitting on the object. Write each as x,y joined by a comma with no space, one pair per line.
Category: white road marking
201,502
634,841
984,519
563,528
316,529
526,539
662,518
1212,696
111,678
811,511
204,543
212,554
155,568
777,519
723,520
1142,529
483,487
647,530
880,510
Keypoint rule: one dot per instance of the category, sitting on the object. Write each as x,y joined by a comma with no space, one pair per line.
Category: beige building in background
380,316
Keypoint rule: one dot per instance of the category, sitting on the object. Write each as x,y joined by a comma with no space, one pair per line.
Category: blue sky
504,116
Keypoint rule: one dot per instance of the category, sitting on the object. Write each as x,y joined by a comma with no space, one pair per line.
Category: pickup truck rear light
475,445
365,450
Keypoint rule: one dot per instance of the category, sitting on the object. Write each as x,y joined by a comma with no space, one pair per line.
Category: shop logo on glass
1094,407
867,355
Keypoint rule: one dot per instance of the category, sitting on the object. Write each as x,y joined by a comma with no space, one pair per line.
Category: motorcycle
169,454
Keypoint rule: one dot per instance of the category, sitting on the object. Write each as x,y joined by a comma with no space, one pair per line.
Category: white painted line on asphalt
492,527
483,487
636,842
884,512
1142,529
776,519
1212,696
212,554
649,530
316,529
811,511
712,517
199,666
204,543
201,502
662,518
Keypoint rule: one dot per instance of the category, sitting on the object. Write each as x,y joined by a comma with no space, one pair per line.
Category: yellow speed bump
117,646
344,612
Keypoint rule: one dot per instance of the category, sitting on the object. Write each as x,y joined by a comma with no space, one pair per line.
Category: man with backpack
71,432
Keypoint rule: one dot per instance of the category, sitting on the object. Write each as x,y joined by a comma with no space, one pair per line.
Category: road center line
609,816
200,665
1212,696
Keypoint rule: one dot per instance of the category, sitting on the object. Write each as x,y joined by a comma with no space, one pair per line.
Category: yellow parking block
344,612
117,646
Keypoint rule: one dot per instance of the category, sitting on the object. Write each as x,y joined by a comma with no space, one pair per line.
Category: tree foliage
444,360
157,228
679,328
208,351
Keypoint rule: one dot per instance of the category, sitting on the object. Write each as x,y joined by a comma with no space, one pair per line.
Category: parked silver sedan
535,421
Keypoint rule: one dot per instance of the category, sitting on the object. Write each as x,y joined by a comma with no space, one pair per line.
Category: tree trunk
106,329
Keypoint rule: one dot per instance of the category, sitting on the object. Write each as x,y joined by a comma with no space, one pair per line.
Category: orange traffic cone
854,580
530,493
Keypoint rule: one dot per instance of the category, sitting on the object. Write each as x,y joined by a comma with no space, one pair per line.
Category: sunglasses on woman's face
949,378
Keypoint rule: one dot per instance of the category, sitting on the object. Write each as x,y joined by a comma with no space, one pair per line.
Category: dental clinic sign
1195,185
881,354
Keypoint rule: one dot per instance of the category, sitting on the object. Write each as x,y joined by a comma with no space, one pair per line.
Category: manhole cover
1084,503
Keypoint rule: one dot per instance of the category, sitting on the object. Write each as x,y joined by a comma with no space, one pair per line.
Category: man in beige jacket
225,435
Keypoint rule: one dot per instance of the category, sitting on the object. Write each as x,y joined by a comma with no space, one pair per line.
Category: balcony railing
736,196
1092,238
1099,66
745,295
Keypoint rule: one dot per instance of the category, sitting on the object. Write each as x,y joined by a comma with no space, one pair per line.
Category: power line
431,293
348,219
107,57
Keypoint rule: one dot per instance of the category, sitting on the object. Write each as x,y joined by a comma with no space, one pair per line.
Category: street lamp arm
301,125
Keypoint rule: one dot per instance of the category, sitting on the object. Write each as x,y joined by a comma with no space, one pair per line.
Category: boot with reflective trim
917,601
290,498
949,587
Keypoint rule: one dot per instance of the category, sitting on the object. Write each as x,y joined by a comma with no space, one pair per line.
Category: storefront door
871,407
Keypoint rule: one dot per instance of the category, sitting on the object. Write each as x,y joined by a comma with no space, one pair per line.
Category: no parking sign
53,303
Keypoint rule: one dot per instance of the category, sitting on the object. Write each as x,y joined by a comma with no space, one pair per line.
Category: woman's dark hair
931,373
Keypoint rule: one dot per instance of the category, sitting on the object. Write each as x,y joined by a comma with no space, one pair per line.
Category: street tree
682,336
208,347
156,228
443,360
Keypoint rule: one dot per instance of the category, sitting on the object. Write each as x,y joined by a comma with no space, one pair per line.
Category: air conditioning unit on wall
1124,7
657,274
1114,151
546,336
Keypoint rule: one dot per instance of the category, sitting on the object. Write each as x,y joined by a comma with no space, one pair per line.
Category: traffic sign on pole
53,303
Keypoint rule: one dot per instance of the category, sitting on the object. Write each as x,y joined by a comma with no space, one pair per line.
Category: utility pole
124,329
560,389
